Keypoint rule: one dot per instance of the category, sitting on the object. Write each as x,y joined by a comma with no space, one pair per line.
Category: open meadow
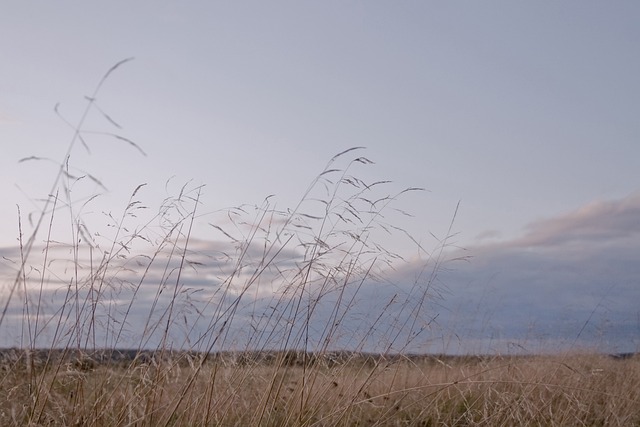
332,389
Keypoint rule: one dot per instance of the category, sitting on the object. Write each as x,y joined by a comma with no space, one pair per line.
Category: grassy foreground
335,389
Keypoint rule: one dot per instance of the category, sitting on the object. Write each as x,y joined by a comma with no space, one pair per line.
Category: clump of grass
296,323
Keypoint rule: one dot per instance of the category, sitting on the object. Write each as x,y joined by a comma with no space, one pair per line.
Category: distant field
342,389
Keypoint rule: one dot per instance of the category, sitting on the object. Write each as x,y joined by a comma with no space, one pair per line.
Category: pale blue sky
523,112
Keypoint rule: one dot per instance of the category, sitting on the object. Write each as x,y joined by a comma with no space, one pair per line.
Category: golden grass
534,390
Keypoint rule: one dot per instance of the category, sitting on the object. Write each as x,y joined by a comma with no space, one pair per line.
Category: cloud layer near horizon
573,279
568,282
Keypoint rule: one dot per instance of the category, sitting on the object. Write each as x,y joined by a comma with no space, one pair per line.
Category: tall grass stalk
288,318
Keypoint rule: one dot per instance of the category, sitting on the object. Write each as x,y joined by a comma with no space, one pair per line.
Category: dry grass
188,390
258,343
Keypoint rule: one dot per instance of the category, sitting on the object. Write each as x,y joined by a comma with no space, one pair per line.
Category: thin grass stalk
41,214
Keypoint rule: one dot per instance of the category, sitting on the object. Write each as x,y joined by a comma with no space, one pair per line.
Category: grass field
335,389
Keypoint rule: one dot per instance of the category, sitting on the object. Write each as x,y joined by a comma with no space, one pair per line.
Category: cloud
597,223
569,282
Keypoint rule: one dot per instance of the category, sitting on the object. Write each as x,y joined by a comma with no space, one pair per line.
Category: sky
518,119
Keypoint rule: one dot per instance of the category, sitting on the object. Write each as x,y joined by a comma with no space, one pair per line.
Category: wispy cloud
568,282
597,223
